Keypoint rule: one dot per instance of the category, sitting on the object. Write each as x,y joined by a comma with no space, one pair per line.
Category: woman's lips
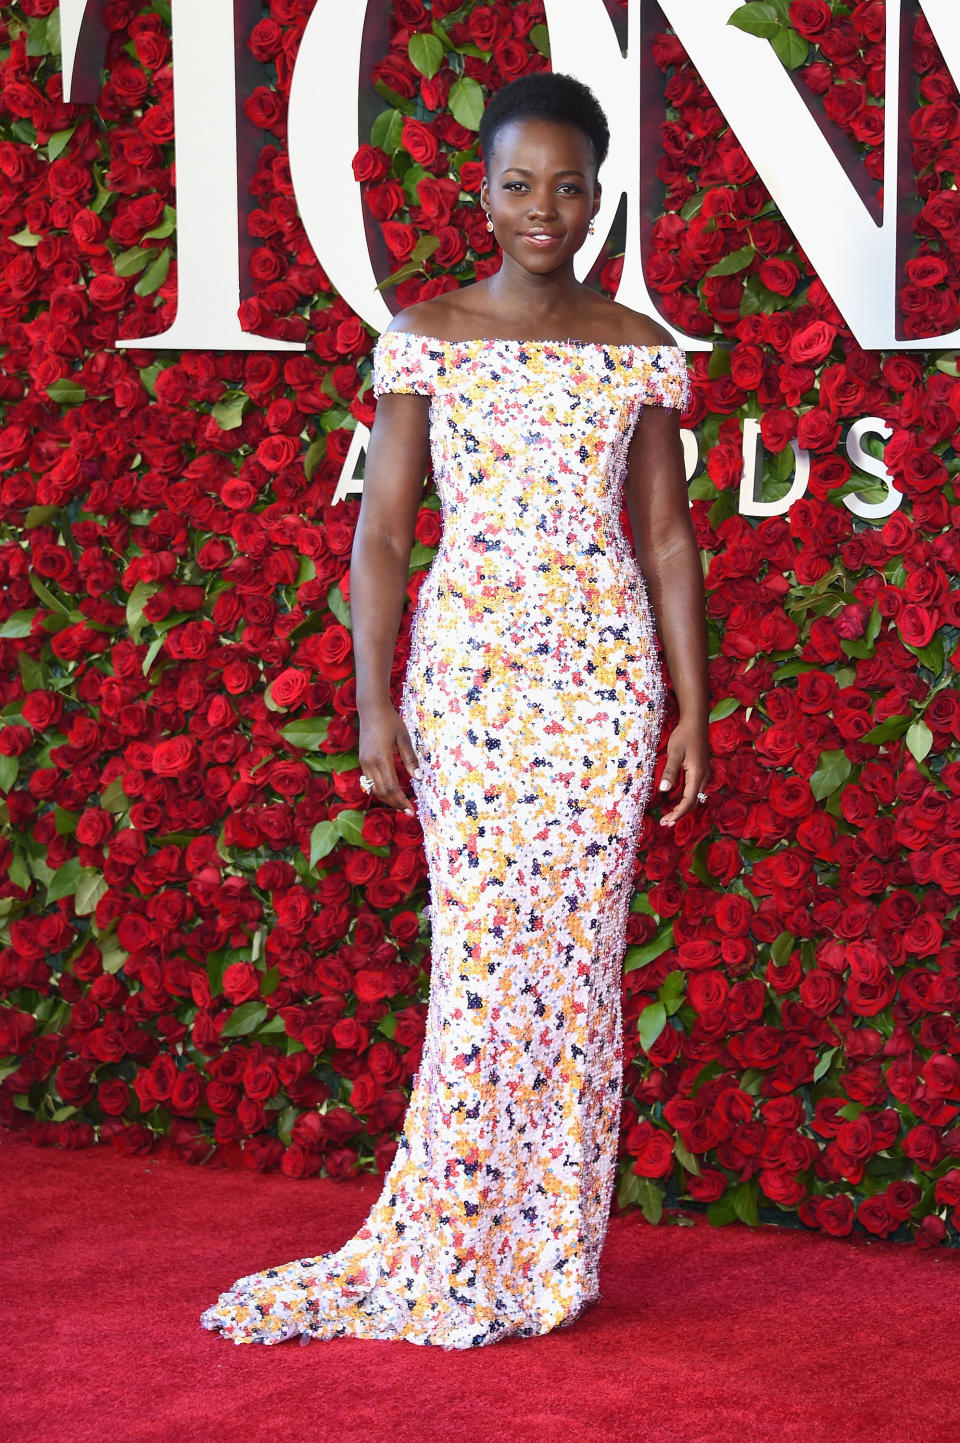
541,239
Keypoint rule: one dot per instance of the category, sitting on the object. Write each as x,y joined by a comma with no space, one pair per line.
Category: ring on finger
366,784
701,796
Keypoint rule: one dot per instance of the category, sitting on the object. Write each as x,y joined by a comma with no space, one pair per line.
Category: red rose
334,652
241,983
779,276
818,430
114,1097
810,17
42,709
812,343
916,625
652,1148
172,757
419,140
266,109
289,687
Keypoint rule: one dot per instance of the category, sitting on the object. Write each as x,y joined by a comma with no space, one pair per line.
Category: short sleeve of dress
667,381
405,361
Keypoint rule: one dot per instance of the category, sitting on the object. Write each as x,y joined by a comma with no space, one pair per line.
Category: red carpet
702,1335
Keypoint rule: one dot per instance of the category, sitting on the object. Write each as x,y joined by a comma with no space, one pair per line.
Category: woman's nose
542,204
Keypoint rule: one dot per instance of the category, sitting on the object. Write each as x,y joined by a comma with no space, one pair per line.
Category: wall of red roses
209,941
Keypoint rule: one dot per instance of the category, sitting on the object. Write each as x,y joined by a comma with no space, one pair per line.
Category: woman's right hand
382,734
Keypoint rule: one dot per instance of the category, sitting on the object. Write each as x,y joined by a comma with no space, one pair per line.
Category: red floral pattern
205,933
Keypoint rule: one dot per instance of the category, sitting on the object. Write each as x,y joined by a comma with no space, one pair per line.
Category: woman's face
540,191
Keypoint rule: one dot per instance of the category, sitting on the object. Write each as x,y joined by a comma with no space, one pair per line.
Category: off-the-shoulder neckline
539,341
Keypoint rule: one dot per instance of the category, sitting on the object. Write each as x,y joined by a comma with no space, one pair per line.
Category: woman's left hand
688,750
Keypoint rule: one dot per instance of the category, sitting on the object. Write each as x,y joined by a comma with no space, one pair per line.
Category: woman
529,727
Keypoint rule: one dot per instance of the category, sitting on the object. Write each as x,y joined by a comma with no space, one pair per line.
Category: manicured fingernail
664,785
409,812
417,774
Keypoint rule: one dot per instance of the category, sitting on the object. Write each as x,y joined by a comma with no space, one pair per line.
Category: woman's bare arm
396,465
656,494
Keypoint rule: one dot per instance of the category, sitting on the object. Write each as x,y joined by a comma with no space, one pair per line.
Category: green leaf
745,1203
39,516
832,771
824,1063
781,948
628,1190
246,1019
708,1070
17,625
112,955
166,227
349,825
790,47
58,142
426,53
387,131
66,392
152,652
307,733
421,556
756,19
9,771
155,274
466,102
408,107
686,1158
650,1024
339,605
649,952
919,740
65,880
26,238
931,656
540,38
887,731
37,39
65,822
44,594
285,1124
131,262
947,362
724,708
323,839
650,1197
274,1026
734,262
136,602
113,798
315,454
388,1025
90,888
228,413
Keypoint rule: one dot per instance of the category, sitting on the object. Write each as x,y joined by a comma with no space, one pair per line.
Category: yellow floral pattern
533,698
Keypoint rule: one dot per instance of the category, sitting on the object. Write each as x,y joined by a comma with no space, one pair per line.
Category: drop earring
489,223
591,227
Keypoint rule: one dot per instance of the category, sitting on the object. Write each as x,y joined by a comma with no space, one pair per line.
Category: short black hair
545,96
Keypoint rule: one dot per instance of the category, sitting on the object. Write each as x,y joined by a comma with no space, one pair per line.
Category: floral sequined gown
533,699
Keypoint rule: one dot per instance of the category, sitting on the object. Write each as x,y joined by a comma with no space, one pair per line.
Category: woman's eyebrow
519,169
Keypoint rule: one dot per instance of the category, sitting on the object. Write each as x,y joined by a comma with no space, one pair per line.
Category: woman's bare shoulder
625,327
442,316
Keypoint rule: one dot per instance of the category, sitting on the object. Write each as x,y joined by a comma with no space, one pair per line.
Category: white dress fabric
533,698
